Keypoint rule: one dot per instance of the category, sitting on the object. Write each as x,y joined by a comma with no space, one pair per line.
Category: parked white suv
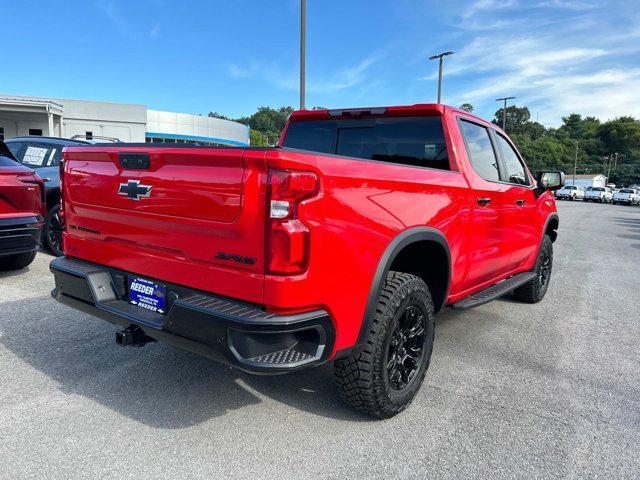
598,194
630,196
570,192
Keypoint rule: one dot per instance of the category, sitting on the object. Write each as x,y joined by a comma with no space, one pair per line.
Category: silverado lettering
355,230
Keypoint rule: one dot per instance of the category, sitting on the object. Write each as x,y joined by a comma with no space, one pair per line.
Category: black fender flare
402,240
552,216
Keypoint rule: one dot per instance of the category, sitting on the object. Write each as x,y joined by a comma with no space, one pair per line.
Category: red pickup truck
341,243
21,212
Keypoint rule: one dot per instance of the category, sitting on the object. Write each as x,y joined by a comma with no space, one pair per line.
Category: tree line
543,148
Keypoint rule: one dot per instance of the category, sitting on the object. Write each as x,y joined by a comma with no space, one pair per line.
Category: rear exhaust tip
132,336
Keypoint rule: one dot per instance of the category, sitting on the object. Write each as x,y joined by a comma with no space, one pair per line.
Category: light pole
504,111
440,56
575,164
303,31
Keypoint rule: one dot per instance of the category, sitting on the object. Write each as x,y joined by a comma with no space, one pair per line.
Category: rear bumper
233,332
19,235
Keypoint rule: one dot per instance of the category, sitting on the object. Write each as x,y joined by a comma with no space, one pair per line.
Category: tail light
34,179
63,224
287,237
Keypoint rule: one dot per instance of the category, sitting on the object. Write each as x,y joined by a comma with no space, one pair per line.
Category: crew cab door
489,252
523,239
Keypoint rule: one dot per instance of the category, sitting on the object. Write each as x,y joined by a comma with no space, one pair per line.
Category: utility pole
303,35
609,170
504,111
440,56
575,164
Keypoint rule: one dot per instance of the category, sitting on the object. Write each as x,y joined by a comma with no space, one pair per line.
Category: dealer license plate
147,294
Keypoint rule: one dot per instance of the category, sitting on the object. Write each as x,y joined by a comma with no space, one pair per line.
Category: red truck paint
211,200
20,193
21,211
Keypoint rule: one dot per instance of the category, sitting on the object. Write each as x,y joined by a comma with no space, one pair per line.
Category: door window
515,171
480,150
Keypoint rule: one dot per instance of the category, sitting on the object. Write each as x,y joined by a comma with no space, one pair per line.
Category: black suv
43,154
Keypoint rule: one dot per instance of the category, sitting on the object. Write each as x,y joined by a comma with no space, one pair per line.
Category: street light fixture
440,56
504,111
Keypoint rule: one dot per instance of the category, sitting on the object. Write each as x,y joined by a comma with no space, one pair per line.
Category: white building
588,180
54,117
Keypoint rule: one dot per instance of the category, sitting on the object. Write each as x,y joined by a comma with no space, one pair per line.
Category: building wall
126,122
183,126
18,124
595,181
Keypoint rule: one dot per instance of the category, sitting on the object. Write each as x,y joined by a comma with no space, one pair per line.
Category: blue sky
556,56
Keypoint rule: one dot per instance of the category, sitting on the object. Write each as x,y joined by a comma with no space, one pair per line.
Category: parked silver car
570,192
599,194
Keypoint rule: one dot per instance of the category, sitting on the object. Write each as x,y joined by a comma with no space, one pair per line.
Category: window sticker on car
34,156
51,155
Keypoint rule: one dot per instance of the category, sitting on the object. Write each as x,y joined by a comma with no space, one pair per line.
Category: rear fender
403,240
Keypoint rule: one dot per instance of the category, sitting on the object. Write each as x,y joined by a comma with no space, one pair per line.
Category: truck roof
388,111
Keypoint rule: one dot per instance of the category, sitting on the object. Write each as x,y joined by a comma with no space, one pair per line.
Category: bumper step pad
286,356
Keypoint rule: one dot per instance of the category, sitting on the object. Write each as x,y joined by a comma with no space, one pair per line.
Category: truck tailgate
193,216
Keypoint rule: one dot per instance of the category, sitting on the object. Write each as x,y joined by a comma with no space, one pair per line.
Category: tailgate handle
134,161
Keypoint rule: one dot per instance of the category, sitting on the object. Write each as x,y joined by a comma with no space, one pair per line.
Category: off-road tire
16,262
362,378
534,290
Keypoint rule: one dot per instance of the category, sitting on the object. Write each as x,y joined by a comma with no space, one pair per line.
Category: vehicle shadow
630,237
13,273
157,385
627,220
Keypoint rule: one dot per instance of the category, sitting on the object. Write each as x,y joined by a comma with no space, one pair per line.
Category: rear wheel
17,262
53,231
534,290
383,378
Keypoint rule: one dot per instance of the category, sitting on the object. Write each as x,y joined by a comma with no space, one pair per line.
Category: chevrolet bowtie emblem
134,190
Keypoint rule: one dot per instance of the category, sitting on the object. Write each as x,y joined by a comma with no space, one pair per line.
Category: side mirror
550,180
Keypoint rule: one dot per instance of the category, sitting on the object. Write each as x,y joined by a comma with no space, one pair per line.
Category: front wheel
17,262
53,231
534,290
384,377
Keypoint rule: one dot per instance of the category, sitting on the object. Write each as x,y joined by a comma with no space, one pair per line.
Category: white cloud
486,6
555,56
342,79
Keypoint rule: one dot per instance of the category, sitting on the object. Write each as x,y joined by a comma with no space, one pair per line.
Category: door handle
483,201
520,202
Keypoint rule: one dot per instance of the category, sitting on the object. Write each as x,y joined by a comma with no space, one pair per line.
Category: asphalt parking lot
514,391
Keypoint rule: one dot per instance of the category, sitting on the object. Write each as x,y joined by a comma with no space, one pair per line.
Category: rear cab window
415,141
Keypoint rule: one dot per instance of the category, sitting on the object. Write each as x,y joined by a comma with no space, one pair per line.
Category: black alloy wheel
406,347
53,231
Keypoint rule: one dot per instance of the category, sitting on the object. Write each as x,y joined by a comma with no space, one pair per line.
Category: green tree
218,115
467,107
516,118
256,139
